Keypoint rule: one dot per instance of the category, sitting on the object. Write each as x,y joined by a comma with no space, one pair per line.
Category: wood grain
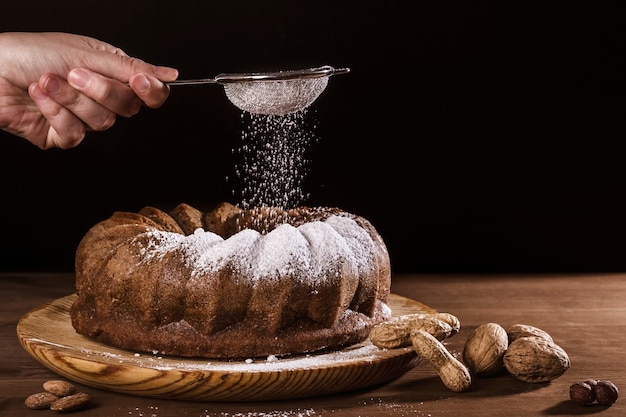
47,334
584,313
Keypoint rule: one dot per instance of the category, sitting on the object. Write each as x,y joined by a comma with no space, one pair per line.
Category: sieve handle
196,81
270,76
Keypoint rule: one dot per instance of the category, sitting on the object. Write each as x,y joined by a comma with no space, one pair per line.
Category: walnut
522,330
535,359
485,348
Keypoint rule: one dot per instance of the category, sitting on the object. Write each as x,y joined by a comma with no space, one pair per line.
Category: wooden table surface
584,313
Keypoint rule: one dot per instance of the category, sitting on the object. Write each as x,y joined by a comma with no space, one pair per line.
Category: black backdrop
476,136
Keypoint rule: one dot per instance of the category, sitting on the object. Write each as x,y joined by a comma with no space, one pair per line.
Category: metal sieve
273,93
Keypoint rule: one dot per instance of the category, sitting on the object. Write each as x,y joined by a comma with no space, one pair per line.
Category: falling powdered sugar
273,166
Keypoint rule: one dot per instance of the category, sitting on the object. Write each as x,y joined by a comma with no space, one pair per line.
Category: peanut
454,375
396,333
451,319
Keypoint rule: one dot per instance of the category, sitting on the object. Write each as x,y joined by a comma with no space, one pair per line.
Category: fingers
90,101
116,96
162,73
65,129
110,94
122,67
58,110
149,89
70,113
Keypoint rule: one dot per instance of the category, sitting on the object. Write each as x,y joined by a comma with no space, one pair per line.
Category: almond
71,402
40,400
59,387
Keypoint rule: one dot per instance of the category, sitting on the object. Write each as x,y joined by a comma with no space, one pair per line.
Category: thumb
113,62
123,67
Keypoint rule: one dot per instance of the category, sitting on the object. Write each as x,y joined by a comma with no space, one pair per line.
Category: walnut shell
535,359
522,330
485,348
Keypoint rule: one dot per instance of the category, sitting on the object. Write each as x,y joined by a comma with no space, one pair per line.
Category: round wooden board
47,334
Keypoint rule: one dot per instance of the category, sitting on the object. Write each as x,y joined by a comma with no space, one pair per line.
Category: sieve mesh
275,97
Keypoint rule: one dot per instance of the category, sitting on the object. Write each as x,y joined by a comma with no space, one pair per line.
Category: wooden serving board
47,334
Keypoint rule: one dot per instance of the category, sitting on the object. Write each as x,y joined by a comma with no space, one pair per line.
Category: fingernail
141,83
52,85
136,107
78,78
35,91
166,73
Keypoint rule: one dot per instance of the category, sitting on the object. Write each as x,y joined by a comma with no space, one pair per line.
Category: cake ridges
317,282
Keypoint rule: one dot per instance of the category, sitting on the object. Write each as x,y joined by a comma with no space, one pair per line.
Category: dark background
481,136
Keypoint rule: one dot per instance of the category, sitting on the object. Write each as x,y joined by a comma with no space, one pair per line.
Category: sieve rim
318,72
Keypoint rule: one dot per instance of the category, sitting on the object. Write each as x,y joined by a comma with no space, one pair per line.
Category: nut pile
591,390
425,332
58,395
526,352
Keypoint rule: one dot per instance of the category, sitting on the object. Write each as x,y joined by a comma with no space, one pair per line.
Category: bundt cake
231,283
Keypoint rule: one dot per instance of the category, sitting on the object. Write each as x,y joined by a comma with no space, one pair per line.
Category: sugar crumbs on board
307,412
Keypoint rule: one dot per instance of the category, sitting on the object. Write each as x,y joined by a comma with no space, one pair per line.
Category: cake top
226,219
298,248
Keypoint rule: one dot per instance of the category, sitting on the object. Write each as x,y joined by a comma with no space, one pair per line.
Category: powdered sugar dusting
364,352
327,243
357,238
283,252
155,243
234,251
307,252
307,412
152,411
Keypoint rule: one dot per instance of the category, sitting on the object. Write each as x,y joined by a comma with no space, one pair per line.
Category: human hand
54,87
